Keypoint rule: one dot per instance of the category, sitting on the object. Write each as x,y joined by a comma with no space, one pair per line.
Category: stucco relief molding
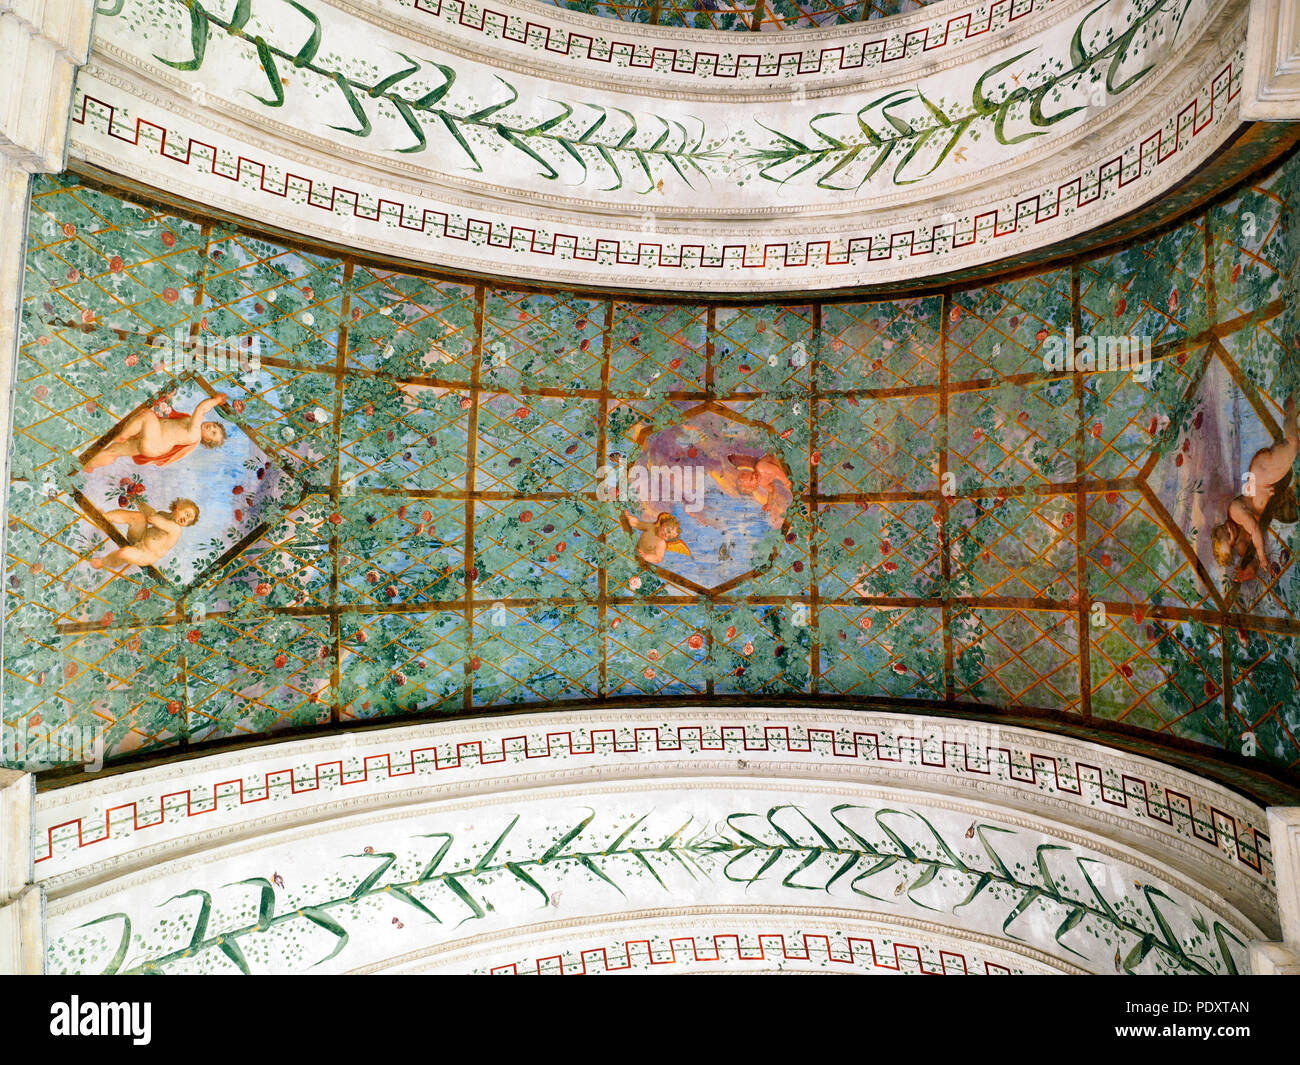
1283,958
1272,78
764,934
43,42
701,64
600,255
1202,885
21,902
105,827
1107,139
1251,894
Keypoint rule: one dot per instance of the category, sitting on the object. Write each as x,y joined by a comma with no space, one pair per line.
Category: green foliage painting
256,488
434,884
294,62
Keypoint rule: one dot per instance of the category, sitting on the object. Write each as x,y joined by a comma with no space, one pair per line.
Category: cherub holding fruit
150,534
150,439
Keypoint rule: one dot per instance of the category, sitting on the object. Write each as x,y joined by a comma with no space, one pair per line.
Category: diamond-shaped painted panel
763,349
1017,658
657,348
408,663
1017,546
1012,434
1159,675
529,444
411,327
878,549
538,340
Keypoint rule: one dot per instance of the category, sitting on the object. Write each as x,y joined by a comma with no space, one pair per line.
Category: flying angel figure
658,537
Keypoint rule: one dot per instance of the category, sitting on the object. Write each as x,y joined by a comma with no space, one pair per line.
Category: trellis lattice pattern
409,512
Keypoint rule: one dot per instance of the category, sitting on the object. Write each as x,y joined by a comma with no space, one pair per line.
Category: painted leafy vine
612,138
843,163
785,841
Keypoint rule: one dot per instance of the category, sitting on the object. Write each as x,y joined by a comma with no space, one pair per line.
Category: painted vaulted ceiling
654,509
432,498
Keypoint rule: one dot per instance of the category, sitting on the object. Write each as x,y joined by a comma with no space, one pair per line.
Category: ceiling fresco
254,487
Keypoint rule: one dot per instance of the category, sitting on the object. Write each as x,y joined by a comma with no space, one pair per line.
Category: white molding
43,42
112,827
1273,959
1271,91
1284,830
65,24
21,902
671,934
1283,958
298,852
173,131
17,802
22,946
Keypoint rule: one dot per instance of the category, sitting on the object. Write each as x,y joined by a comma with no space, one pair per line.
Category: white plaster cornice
1107,133
278,850
22,948
1283,958
1284,828
1272,76
21,902
43,42
911,242
217,142
107,828
809,939
579,49
16,809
